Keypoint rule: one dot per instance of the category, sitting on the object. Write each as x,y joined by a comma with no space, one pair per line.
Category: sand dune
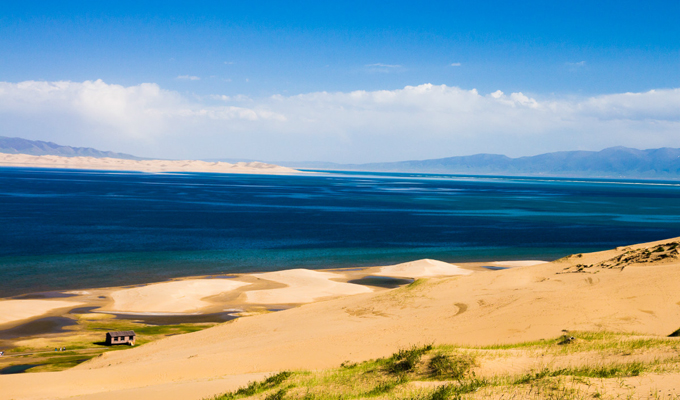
303,286
17,310
117,164
518,304
171,297
421,269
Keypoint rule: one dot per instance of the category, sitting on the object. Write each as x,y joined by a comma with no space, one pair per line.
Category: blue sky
229,61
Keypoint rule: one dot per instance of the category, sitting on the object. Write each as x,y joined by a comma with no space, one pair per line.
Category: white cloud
188,78
229,63
456,64
415,122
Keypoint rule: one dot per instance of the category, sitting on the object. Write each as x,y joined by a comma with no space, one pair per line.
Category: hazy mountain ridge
613,162
13,145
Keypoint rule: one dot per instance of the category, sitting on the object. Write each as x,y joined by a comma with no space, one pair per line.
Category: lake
67,229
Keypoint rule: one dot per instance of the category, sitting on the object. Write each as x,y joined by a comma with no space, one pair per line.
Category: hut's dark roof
121,333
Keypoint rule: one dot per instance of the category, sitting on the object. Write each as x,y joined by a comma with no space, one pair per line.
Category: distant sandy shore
117,164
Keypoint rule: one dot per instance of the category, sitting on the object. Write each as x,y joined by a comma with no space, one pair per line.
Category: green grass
603,342
254,388
87,341
455,367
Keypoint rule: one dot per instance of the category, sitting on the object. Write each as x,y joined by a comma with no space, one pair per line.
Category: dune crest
422,269
303,286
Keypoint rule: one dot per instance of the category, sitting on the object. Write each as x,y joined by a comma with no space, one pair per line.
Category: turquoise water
71,229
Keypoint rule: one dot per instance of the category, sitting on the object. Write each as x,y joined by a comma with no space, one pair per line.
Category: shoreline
599,298
240,294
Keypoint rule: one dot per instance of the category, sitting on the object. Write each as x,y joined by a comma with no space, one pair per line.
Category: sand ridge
117,164
303,286
521,263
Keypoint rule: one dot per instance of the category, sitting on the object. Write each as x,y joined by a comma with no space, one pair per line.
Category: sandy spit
25,160
171,297
17,310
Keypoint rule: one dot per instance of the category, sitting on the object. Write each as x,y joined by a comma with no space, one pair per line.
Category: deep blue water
72,229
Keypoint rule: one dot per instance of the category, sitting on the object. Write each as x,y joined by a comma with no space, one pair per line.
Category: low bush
458,366
406,360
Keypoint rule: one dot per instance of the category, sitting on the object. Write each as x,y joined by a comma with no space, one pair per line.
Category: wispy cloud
381,65
383,68
456,64
573,66
229,63
188,78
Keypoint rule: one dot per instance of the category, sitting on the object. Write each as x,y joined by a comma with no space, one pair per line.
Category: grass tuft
458,366
406,360
254,388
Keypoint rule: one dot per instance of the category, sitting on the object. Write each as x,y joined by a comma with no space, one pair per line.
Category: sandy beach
523,303
117,164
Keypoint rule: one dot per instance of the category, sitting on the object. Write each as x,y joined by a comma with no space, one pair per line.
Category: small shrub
455,392
382,387
406,360
277,379
258,387
451,367
446,392
348,364
278,395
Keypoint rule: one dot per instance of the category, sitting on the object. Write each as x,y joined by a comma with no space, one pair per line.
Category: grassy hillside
576,365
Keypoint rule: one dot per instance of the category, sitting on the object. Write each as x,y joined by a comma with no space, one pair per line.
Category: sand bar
117,164
522,263
171,297
17,310
421,269
304,286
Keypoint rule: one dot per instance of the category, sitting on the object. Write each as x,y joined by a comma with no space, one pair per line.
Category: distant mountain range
614,162
40,148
